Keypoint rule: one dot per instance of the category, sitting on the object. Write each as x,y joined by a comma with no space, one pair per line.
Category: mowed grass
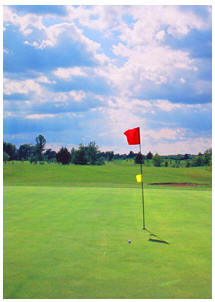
110,175
72,241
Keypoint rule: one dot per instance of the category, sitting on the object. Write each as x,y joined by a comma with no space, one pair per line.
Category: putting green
72,242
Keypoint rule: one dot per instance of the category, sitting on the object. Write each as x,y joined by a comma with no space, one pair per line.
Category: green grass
110,175
64,240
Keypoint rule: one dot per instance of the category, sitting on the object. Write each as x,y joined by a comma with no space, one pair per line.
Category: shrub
157,160
80,156
63,156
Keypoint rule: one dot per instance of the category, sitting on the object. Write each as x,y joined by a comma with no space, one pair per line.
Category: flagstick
144,227
141,172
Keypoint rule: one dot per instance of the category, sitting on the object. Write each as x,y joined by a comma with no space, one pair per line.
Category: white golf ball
129,241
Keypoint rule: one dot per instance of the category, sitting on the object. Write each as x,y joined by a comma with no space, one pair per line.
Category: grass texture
110,175
72,241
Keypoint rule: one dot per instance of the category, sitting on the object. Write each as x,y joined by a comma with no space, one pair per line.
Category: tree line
176,161
37,153
91,155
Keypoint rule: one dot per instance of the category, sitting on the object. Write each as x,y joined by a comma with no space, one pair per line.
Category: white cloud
40,116
25,23
191,146
77,95
166,105
44,79
24,87
28,22
164,133
35,44
160,35
157,64
102,18
68,73
151,20
154,65
147,59
124,113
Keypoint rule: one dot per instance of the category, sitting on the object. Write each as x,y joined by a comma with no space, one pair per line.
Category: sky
85,73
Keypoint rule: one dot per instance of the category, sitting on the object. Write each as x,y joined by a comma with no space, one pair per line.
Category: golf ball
129,241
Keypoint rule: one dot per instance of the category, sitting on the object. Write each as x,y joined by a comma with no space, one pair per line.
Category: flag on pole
139,178
133,136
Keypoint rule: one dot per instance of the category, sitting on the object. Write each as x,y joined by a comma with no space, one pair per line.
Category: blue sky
87,73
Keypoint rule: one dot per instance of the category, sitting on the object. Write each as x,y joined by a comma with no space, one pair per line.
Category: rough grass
111,175
72,241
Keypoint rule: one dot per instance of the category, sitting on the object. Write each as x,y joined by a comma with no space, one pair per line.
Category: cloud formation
81,73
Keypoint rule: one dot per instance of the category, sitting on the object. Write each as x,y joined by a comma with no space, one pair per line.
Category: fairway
72,242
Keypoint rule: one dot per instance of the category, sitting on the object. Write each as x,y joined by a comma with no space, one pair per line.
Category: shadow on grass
156,239
159,241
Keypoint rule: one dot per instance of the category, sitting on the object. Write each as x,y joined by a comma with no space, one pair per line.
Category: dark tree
63,156
186,156
187,164
39,147
11,150
139,159
207,157
91,153
116,156
109,155
87,155
157,160
149,155
5,157
25,151
80,156
50,155
197,161
73,151
131,154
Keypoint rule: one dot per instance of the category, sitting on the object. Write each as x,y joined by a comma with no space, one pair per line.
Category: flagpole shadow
154,237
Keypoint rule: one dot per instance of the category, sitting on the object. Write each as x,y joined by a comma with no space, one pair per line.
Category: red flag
133,136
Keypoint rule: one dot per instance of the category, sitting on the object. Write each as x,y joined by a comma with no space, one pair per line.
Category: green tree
63,156
25,151
91,153
157,160
207,157
80,156
131,154
139,159
5,157
39,147
186,156
149,155
109,155
197,161
187,164
11,150
50,155
73,151
100,161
